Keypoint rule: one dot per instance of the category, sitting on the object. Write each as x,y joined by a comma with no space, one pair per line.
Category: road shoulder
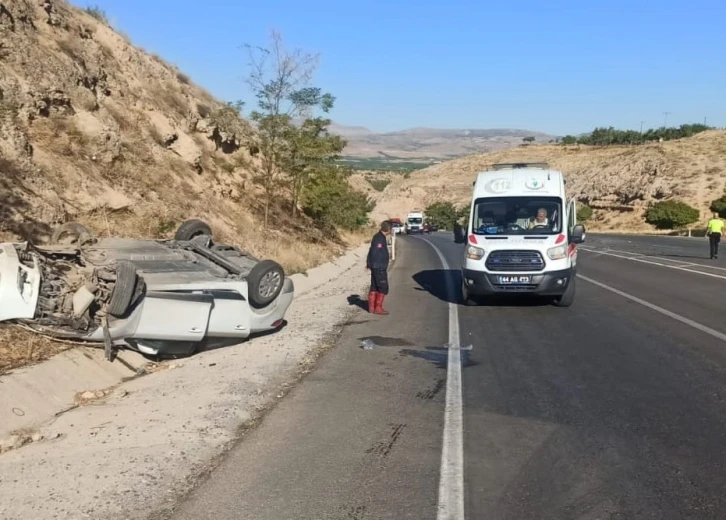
360,437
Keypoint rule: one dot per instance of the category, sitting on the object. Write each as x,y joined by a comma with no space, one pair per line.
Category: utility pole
641,127
665,120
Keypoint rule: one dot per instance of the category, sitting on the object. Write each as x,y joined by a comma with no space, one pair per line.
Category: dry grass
122,118
72,47
61,135
19,347
203,110
156,136
168,96
183,78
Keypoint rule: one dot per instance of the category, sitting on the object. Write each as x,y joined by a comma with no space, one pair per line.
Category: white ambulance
522,235
415,222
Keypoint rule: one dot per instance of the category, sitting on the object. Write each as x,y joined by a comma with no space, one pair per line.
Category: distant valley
417,147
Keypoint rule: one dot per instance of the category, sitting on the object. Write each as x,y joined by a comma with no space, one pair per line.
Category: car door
168,316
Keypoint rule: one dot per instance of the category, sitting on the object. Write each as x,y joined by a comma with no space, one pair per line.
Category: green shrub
445,214
719,206
602,136
584,213
331,202
98,13
379,184
671,214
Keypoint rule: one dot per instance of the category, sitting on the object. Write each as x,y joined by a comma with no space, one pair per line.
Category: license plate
513,280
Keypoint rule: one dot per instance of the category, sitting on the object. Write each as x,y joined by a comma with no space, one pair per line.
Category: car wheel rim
269,284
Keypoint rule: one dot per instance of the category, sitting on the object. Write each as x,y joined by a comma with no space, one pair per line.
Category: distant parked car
155,296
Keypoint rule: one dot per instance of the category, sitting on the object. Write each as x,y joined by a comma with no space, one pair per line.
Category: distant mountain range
430,143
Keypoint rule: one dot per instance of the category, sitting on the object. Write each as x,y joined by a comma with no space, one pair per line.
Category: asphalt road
612,408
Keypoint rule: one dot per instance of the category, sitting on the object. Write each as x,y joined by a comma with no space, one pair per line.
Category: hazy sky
554,66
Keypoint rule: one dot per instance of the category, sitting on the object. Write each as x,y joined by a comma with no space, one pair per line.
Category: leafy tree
671,214
280,81
584,213
445,214
528,139
297,152
330,200
719,206
605,136
311,148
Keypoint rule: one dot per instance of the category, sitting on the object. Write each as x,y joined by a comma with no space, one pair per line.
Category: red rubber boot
372,301
379,304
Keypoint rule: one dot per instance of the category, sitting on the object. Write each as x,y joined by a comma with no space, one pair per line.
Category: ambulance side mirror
578,234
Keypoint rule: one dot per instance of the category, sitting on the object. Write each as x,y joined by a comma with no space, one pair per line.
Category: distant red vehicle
396,225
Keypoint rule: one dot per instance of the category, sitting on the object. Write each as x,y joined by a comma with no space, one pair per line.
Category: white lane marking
633,259
682,263
643,255
451,477
652,306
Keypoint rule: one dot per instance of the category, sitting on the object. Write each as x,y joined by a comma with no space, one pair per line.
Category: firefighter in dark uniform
377,263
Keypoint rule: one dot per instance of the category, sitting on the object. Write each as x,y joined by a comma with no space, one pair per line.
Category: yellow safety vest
715,225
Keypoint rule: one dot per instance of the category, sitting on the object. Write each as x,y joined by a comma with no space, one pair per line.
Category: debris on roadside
367,344
21,438
89,396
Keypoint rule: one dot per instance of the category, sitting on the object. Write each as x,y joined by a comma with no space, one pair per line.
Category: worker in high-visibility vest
714,232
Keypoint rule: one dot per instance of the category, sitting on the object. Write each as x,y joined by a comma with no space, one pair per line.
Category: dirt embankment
95,129
618,182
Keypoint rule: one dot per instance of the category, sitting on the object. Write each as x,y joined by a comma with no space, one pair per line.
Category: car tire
125,290
192,228
265,283
466,298
568,298
72,230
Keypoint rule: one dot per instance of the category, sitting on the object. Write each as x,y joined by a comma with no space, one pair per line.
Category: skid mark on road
354,512
383,448
432,392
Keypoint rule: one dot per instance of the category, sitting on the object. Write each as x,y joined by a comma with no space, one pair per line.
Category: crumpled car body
154,296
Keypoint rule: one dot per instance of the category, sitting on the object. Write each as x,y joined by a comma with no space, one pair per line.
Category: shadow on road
439,356
355,299
434,281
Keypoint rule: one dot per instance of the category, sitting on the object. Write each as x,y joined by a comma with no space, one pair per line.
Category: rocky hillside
94,129
618,182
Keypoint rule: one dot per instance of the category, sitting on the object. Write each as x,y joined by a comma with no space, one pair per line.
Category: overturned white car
154,296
